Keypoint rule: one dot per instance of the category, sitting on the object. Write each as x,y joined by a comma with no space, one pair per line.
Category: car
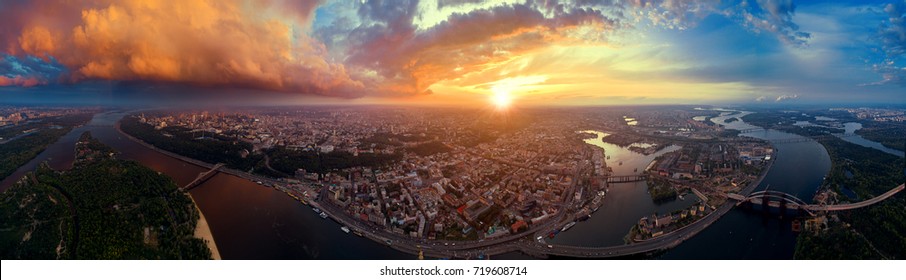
550,246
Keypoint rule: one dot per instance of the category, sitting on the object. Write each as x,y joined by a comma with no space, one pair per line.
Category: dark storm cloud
29,71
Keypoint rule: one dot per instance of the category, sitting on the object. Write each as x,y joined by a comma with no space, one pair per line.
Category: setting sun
503,92
501,98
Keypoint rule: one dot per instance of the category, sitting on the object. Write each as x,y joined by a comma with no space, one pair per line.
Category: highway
662,242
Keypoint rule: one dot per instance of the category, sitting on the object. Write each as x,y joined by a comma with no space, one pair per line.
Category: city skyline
670,182
386,130
459,53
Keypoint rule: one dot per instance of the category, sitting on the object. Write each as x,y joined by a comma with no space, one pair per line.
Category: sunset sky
584,52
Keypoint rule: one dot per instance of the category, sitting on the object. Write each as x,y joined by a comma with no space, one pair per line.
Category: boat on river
568,226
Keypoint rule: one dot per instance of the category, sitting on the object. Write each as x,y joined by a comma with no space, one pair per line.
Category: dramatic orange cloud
212,43
19,81
576,52
410,61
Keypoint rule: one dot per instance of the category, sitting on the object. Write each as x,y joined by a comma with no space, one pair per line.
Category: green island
28,140
877,232
104,208
660,190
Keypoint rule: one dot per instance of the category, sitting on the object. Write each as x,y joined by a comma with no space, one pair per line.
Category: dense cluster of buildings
674,123
879,115
17,115
485,191
713,169
705,160
483,177
473,189
656,225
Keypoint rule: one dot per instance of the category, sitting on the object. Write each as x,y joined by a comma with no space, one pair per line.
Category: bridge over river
676,237
202,177
787,201
626,178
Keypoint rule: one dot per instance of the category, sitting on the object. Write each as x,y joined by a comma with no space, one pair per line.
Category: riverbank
744,192
202,229
655,244
335,214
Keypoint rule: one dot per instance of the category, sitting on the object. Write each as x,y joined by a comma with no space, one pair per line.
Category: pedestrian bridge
742,131
202,177
626,179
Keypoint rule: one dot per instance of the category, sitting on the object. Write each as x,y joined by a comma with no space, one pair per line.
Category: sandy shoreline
203,231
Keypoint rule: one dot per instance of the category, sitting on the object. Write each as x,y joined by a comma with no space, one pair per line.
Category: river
624,204
849,135
741,234
799,169
248,221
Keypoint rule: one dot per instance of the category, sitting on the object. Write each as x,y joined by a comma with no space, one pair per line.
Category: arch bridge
776,199
782,200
